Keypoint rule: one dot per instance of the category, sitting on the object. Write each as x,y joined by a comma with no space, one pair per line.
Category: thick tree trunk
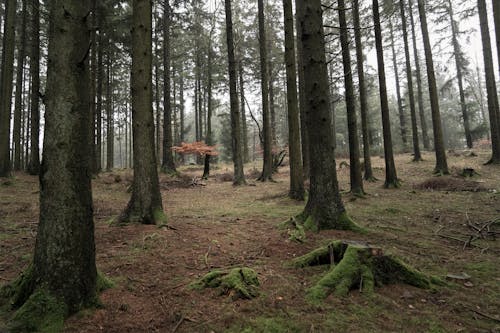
110,121
19,90
441,164
459,64
7,73
355,166
491,87
296,177
244,126
62,278
145,205
324,209
267,169
391,178
420,92
363,100
411,94
496,15
239,176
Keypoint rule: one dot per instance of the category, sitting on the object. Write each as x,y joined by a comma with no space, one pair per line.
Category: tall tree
244,125
324,208
7,72
267,168
63,273
355,166
441,163
417,156
210,56
391,178
19,89
296,177
496,15
363,100
34,163
99,91
420,92
145,205
491,88
239,176
93,88
110,117
168,164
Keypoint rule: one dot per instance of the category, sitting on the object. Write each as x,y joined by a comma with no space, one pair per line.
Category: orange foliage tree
195,148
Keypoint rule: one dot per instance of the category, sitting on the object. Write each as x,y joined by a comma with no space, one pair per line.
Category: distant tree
391,178
7,72
441,163
34,162
145,205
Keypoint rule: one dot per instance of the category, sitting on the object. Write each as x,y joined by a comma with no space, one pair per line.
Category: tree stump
237,282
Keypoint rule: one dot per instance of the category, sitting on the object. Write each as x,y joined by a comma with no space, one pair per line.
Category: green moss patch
237,282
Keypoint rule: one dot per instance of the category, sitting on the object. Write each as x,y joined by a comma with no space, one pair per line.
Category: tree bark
99,93
110,121
7,73
209,141
391,178
244,125
145,205
239,176
417,156
491,88
496,16
93,88
441,163
296,177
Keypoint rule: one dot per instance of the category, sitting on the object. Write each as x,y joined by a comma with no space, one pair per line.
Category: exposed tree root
342,222
295,230
358,265
237,282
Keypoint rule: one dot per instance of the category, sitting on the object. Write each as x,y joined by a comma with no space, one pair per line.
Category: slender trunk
441,164
209,141
496,16
7,74
239,176
99,93
93,88
411,94
391,178
420,90
491,88
19,90
110,129
34,164
244,126
481,100
272,108
355,166
296,177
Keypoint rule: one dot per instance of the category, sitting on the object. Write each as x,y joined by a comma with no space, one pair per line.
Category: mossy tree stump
237,282
357,265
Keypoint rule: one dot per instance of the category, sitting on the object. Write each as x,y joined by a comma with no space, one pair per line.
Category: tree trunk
355,166
496,15
441,164
145,205
411,94
244,126
391,178
34,163
239,176
402,118
99,93
324,209
209,141
296,177
110,130
362,94
491,88
7,73
19,90
182,108
459,64
420,93
168,164
62,278
93,88
267,169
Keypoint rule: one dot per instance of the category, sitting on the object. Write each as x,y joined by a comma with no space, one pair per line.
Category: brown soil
221,226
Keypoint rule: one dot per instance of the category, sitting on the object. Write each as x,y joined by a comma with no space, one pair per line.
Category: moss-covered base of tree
294,229
342,222
237,282
357,266
156,217
370,179
172,172
392,184
36,309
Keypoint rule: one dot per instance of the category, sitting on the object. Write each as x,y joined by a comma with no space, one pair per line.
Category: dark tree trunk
7,74
420,91
110,129
182,108
491,88
244,126
19,90
411,94
64,269
324,209
267,169
145,205
459,64
209,141
391,178
363,100
496,15
168,164
441,164
99,93
93,88
296,176
34,163
239,176
355,166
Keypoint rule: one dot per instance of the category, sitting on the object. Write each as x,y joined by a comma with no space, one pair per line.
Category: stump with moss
237,282
356,265
294,230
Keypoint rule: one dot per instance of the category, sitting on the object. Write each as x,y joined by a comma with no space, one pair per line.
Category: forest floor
216,225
